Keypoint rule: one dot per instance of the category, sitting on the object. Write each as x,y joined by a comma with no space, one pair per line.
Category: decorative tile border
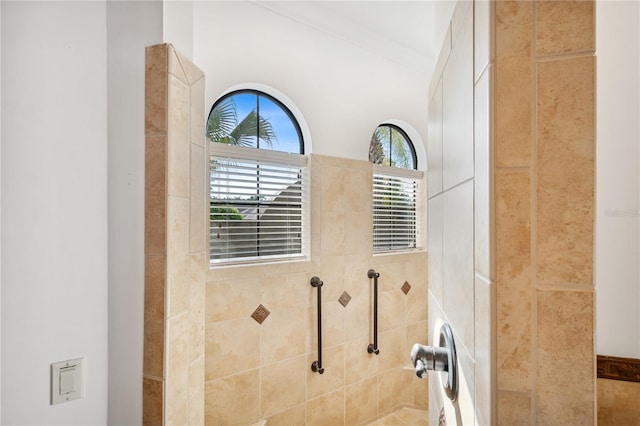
616,368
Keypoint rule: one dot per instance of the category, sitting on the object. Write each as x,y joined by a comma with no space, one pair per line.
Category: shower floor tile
404,417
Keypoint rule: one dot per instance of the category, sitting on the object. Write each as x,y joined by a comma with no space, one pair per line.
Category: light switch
66,380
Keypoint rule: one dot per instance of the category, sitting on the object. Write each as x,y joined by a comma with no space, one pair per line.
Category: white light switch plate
67,380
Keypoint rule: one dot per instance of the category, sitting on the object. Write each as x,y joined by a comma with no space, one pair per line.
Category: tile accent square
344,299
405,287
260,314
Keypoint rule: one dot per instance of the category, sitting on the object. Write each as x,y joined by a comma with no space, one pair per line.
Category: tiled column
544,198
175,239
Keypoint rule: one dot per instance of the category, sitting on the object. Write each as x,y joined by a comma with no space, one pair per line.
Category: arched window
258,177
390,146
396,191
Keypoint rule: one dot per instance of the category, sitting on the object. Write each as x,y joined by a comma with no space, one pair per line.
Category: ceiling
401,31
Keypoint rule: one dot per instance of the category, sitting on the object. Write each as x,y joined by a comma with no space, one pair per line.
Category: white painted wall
343,91
617,250
54,207
131,26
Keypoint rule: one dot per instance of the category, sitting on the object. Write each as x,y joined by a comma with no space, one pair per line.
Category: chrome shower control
439,358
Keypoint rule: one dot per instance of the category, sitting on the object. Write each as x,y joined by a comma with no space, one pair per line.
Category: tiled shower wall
175,239
460,274
543,169
256,371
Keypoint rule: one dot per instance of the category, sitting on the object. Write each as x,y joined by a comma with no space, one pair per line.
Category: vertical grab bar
373,347
316,366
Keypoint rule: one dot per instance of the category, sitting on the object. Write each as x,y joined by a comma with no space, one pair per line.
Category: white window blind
257,204
395,199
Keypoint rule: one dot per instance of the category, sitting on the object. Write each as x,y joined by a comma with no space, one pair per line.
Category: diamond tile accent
405,287
260,314
344,299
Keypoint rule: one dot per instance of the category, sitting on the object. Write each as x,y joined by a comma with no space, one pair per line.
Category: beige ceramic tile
155,213
457,111
358,363
231,347
435,246
514,408
154,316
333,377
394,350
458,261
361,401
283,335
178,136
393,389
198,224
233,400
392,310
231,299
196,392
177,255
482,39
482,179
177,374
197,114
327,410
434,143
564,26
156,89
282,385
292,416
152,401
618,403
566,151
565,383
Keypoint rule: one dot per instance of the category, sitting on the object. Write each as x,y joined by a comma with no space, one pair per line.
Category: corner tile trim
616,368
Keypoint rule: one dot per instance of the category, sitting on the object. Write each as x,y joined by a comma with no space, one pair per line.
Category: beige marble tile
411,416
333,181
434,143
358,363
198,189
332,325
333,233
231,299
564,26
513,285
513,25
393,389
155,212
177,255
420,393
283,335
156,89
327,410
192,72
618,403
154,316
282,385
482,179
196,392
197,114
174,65
361,400
457,110
358,237
152,401
394,350
293,416
178,135
286,291
197,292
566,170
417,301
514,408
458,261
233,400
333,377
435,246
565,379
231,347
358,318
358,190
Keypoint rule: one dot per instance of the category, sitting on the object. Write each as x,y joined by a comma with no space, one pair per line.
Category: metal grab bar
316,366
373,347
